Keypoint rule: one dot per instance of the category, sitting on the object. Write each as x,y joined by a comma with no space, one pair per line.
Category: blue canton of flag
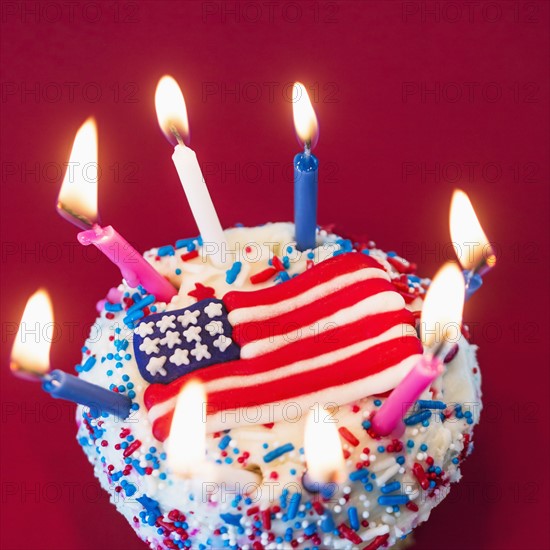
170,344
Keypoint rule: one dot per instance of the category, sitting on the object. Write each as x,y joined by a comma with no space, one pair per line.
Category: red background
381,137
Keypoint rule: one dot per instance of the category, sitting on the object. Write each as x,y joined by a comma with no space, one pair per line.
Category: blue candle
306,170
61,385
473,283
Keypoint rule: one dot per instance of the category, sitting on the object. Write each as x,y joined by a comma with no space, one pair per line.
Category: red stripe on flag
308,315
323,272
306,348
360,366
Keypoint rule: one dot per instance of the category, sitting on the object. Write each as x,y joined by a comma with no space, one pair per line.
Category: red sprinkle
377,542
277,264
266,519
189,255
252,511
318,507
349,534
420,475
412,506
263,276
348,436
134,446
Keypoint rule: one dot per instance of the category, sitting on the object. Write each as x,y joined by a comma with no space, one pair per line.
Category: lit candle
30,359
186,447
306,170
440,328
77,203
473,249
323,452
172,117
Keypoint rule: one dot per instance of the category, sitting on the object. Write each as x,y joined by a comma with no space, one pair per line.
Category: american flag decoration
334,334
171,344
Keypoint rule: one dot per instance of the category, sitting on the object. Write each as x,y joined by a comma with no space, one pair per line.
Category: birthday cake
272,335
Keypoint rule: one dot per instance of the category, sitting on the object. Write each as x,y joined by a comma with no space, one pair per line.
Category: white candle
172,117
186,448
189,172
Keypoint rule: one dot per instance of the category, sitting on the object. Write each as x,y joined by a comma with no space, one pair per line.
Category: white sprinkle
388,474
388,519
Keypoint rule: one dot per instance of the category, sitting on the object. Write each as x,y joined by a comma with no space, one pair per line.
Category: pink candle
133,266
440,328
388,417
77,203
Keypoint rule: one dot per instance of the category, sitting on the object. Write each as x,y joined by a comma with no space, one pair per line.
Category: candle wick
307,148
176,134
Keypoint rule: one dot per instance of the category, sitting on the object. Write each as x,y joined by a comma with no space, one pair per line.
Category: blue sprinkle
425,404
359,475
400,460
455,460
178,271
310,529
417,418
167,250
282,277
381,449
112,307
353,517
391,254
377,402
294,504
366,424
231,274
279,451
140,304
134,316
224,442
390,487
327,524
391,500
423,447
90,362
365,251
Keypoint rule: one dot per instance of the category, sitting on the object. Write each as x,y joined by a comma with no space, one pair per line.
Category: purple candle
30,359
62,385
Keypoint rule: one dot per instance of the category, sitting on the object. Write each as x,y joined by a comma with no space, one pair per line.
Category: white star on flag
213,309
192,333
189,317
145,329
171,339
156,366
150,345
180,357
214,327
166,322
200,352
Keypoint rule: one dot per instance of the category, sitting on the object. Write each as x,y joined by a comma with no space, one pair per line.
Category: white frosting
444,440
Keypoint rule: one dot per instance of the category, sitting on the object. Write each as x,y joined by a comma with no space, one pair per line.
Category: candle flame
441,317
472,246
171,111
78,195
186,446
322,448
305,119
30,355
